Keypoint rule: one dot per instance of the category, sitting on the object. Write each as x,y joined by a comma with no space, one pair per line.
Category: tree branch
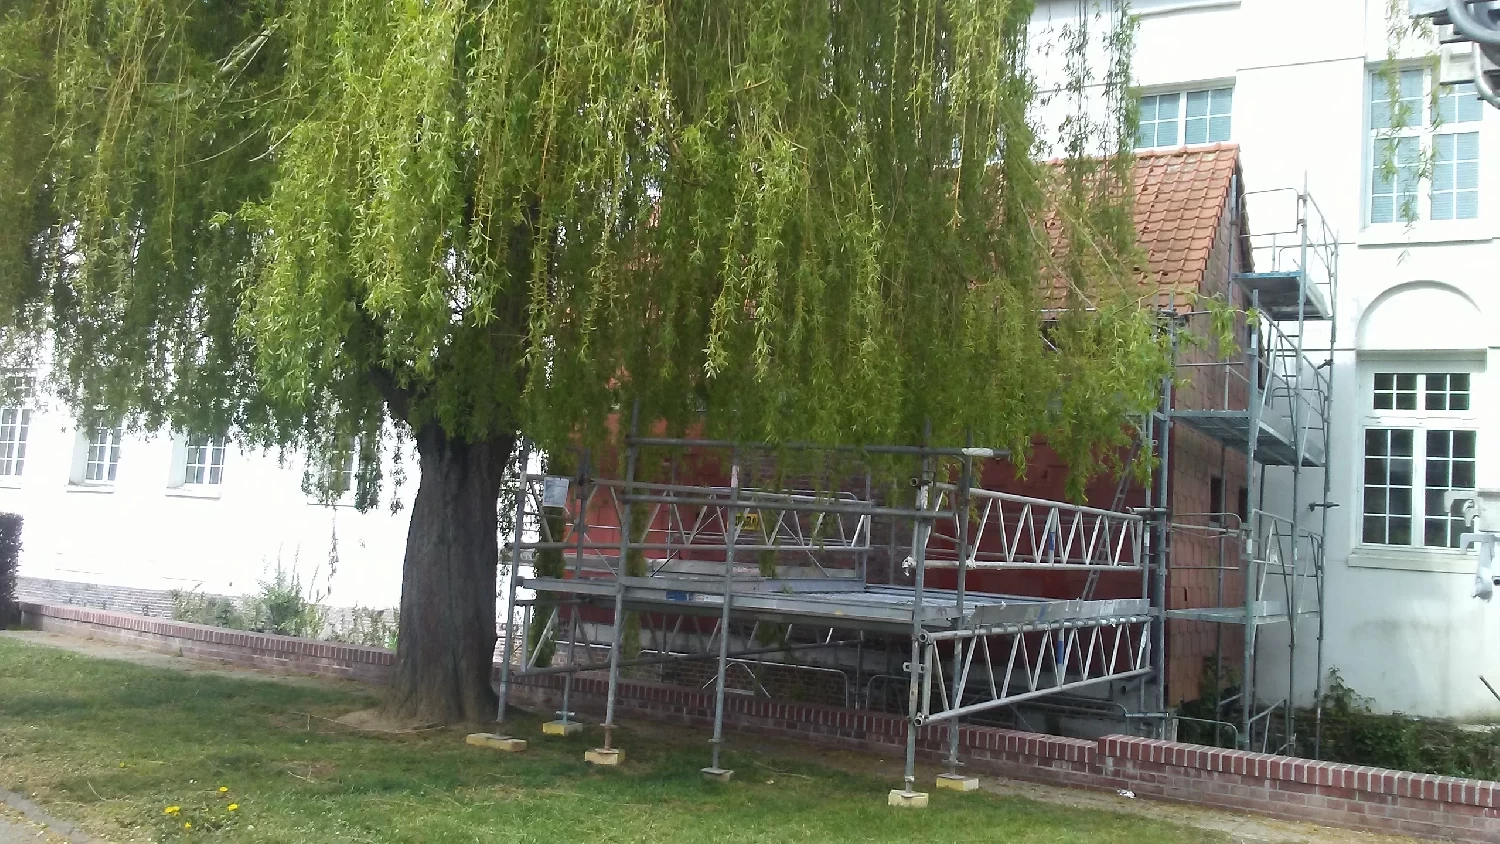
397,397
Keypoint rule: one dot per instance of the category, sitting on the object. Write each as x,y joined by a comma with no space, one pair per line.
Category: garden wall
1295,789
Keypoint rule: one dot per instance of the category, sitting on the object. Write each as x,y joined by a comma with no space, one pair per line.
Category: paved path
14,833
24,822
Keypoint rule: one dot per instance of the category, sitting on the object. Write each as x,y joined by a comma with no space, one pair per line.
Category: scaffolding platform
1261,612
1275,443
845,606
1285,295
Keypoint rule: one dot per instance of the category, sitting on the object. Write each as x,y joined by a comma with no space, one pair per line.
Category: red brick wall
1297,789
282,654
1351,796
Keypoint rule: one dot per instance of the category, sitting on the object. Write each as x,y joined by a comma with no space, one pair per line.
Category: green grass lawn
112,745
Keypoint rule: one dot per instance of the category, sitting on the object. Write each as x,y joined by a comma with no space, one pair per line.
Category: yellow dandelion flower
188,825
223,789
172,810
233,806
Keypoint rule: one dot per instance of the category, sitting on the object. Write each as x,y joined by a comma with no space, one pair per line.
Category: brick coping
262,642
1114,753
1334,775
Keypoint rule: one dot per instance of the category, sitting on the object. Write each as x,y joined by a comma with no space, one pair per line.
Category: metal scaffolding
1272,405
729,568
748,580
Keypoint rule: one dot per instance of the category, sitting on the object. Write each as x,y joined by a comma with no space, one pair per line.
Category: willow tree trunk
446,643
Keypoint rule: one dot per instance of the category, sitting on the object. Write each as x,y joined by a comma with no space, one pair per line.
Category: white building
1295,85
160,513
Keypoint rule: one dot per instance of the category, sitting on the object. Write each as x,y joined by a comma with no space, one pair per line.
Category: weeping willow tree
318,224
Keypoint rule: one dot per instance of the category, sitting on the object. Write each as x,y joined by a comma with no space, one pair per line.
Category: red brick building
1189,210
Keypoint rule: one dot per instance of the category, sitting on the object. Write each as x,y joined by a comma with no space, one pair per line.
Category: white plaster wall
1400,625
141,534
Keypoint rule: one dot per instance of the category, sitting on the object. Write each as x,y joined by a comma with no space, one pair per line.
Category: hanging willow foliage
786,219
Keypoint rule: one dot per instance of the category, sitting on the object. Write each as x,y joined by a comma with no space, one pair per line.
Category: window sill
1425,232
1412,559
313,501
10,481
210,492
93,488
1185,6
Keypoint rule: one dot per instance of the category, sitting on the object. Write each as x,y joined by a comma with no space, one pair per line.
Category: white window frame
22,384
181,481
1184,97
84,449
13,447
1424,135
1420,421
318,464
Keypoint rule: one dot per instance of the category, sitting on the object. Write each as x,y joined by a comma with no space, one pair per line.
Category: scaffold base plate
957,782
600,756
561,728
496,742
716,774
907,799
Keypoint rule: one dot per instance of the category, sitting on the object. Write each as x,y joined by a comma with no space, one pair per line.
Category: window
1194,117
102,460
1441,129
1420,442
340,470
332,475
205,462
15,423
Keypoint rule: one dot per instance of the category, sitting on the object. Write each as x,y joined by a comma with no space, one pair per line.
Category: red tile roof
1181,196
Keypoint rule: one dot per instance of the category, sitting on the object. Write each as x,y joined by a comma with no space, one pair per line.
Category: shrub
369,627
282,607
195,607
1354,733
10,561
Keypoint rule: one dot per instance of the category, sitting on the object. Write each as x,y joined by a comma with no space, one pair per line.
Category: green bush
1353,732
1203,719
282,607
10,561
369,627
214,610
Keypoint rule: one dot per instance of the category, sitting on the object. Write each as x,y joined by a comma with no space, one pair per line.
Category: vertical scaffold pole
1256,494
580,522
909,795
621,571
507,638
1161,553
715,771
961,536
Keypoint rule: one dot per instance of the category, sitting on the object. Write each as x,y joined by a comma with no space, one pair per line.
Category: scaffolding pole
714,769
507,638
623,563
915,673
961,544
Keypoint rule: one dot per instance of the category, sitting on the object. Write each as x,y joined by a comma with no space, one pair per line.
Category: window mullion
1419,481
